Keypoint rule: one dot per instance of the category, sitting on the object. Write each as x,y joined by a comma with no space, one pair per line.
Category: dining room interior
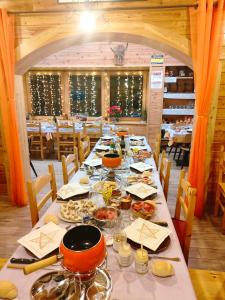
112,159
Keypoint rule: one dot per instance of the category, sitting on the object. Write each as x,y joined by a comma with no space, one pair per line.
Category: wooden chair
184,149
208,285
67,138
94,131
84,147
34,188
156,153
38,139
71,159
220,191
164,173
186,198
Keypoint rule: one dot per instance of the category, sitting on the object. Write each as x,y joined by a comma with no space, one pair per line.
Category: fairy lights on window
85,94
45,91
126,91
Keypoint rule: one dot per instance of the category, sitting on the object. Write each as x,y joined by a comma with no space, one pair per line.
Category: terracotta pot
111,160
83,249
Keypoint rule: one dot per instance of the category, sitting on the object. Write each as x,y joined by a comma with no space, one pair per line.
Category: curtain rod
105,9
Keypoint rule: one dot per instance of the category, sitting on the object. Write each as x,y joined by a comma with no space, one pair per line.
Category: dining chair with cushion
220,190
184,213
94,131
67,138
164,173
84,147
38,141
208,284
70,165
34,189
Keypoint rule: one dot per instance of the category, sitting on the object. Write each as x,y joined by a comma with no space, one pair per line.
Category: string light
93,110
118,98
132,96
85,95
126,89
140,87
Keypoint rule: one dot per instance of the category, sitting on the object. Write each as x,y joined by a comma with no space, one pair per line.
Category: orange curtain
17,191
206,24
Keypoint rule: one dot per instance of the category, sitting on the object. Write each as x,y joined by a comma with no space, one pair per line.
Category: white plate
141,167
136,138
141,190
94,162
138,147
72,189
107,137
98,186
102,147
67,220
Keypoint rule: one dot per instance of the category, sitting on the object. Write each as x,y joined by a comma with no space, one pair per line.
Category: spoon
164,257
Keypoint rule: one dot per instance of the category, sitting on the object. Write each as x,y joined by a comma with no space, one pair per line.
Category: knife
23,261
160,223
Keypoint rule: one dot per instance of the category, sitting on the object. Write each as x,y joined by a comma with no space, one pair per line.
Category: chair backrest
42,118
65,129
221,170
84,147
93,130
34,127
67,162
35,187
164,173
156,153
187,138
186,198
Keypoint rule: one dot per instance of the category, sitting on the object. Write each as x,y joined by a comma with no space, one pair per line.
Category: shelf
172,79
178,111
188,96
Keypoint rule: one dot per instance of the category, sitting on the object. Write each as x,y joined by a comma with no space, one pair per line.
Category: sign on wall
156,79
157,59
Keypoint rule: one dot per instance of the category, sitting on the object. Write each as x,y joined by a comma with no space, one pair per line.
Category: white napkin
141,190
71,189
44,240
141,167
147,233
93,162
136,138
102,147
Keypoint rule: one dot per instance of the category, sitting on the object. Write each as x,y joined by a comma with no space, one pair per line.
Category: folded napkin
141,167
94,162
70,190
43,240
147,233
141,190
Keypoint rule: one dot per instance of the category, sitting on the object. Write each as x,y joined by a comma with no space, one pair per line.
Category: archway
53,40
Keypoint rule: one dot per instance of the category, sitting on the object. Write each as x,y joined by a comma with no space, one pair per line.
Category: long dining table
126,283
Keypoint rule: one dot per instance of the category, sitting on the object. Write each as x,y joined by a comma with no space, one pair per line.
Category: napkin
147,233
70,190
43,240
141,167
141,190
93,162
136,138
102,147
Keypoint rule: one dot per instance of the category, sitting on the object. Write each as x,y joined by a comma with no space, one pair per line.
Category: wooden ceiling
35,6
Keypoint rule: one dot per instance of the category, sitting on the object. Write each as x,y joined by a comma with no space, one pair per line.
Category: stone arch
55,39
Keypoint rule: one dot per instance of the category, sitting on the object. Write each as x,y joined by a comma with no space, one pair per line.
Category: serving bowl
106,216
111,160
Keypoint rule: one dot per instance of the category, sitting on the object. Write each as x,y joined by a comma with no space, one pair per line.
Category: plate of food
140,178
141,167
143,209
141,191
74,211
71,190
101,185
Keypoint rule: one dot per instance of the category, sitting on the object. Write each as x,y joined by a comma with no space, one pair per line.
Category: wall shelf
178,111
172,79
188,96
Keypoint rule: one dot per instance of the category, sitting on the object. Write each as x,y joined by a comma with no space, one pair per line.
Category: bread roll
84,180
162,268
8,290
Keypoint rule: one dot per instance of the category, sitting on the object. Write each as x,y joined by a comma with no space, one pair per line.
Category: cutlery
164,257
23,261
160,223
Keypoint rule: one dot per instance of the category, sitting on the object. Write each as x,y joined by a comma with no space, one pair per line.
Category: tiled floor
207,244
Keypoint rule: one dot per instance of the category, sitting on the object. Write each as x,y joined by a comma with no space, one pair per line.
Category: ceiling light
87,21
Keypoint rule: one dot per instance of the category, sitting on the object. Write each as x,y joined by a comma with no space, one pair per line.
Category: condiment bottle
125,254
141,261
119,238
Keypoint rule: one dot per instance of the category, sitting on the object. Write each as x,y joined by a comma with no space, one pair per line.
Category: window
45,90
85,95
126,91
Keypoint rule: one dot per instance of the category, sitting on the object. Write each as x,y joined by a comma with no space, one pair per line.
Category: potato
8,290
51,218
162,268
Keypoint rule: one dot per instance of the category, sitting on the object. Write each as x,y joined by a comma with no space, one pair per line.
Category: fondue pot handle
40,264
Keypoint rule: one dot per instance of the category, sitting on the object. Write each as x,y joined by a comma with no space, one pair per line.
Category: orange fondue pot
111,160
122,133
83,249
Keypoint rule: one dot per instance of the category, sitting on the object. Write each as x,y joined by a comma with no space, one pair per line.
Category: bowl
111,160
100,216
122,133
143,209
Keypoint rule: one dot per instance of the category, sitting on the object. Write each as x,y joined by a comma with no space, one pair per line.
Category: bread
51,218
8,290
162,268
84,180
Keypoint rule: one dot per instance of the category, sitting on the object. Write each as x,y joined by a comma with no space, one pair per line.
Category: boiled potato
8,290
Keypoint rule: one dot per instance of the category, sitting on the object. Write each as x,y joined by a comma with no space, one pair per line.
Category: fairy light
118,98
93,110
85,95
140,94
126,90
